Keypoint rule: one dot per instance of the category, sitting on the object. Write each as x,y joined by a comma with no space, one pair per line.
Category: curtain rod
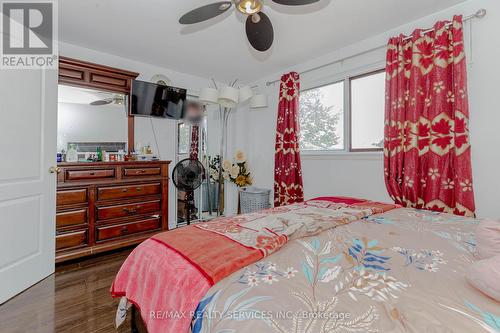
479,14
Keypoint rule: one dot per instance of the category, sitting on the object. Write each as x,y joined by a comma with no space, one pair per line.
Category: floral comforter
167,276
400,271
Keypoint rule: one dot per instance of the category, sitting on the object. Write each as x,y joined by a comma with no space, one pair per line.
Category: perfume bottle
72,154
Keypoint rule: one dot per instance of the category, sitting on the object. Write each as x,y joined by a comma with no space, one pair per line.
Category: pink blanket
161,283
167,276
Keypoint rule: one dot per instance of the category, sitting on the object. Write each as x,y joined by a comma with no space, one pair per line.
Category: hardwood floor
75,299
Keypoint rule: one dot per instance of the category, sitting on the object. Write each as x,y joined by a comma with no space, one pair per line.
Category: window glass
367,111
321,118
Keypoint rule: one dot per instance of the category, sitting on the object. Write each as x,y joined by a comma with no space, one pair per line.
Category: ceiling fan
115,99
258,26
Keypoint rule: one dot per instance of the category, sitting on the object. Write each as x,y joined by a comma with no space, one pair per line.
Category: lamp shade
245,93
228,96
258,101
208,96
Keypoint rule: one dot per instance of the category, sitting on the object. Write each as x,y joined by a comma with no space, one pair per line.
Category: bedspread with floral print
268,230
172,271
399,271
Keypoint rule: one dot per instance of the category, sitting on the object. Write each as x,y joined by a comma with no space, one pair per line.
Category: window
323,115
367,111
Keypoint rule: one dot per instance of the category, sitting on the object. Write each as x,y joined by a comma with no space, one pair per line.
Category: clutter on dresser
144,153
95,152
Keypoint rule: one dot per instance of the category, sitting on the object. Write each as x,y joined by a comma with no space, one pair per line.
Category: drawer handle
92,173
124,229
130,210
138,189
124,190
141,171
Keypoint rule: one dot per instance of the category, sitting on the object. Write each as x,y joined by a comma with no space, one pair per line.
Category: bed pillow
484,275
488,238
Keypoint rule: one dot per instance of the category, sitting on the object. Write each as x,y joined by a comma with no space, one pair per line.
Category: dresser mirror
91,119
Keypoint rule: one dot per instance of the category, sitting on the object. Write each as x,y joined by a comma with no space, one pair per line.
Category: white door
28,126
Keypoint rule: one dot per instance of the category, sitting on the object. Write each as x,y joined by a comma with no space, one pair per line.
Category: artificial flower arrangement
213,167
237,172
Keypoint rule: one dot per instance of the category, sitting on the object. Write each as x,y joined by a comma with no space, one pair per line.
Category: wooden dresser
108,205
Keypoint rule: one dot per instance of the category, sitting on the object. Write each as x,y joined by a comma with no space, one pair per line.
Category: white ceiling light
209,96
245,94
258,101
228,96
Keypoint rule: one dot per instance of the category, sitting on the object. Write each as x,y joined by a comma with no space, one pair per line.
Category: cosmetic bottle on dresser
72,155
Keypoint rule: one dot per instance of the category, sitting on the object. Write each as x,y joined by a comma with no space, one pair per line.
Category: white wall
164,128
362,174
484,84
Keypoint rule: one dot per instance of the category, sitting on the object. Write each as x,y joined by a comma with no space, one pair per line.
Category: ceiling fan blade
260,34
295,2
102,102
205,12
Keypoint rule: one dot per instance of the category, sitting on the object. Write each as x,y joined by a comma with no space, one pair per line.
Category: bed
345,265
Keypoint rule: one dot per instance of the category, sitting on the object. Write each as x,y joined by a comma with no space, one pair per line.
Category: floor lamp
227,98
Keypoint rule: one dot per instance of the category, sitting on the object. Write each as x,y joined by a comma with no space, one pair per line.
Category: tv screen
154,100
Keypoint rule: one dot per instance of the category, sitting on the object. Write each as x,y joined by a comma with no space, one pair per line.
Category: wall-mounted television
154,100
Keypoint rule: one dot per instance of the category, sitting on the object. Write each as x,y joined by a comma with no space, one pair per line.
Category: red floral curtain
287,169
427,149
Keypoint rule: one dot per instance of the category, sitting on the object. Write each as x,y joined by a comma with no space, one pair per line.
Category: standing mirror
198,136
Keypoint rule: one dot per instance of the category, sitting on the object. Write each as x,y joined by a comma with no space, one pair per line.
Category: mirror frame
83,74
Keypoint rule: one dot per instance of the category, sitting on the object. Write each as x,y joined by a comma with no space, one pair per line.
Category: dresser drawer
138,172
107,232
90,174
70,197
72,239
129,191
71,218
110,212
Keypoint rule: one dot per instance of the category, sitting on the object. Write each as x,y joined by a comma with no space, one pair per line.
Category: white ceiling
148,31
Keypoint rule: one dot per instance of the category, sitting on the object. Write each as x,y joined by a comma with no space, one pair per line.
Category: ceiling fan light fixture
249,7
224,6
